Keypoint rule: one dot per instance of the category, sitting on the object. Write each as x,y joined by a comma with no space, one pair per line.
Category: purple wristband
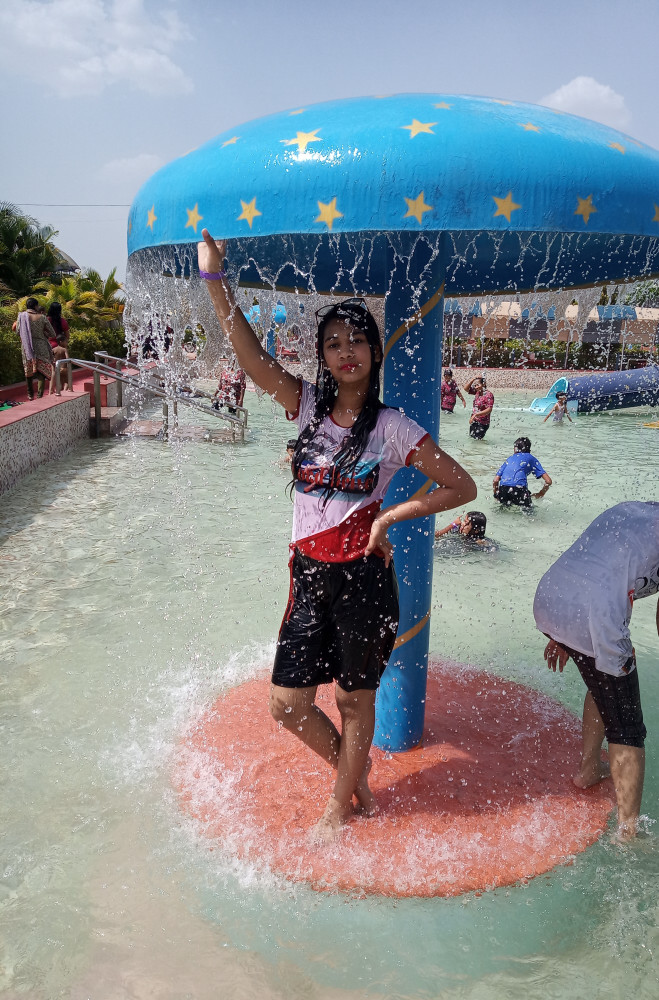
212,275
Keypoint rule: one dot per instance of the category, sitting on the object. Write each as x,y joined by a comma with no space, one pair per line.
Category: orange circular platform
487,800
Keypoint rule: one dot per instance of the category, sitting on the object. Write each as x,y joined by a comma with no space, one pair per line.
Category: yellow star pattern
151,217
443,105
505,206
231,141
656,213
618,146
416,207
328,213
416,127
585,208
249,211
194,218
298,112
302,140
529,127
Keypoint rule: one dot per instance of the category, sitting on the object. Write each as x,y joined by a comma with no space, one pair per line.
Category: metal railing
143,382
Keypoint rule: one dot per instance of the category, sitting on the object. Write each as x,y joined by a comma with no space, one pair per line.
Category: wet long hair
347,458
55,317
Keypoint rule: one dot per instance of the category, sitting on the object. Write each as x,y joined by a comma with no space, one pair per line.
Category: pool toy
413,197
486,800
604,391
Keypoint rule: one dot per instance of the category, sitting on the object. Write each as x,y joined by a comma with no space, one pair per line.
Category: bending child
342,614
509,484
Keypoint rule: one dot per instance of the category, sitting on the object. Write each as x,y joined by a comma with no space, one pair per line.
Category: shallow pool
137,581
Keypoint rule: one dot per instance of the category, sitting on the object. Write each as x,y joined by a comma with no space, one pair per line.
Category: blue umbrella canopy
528,197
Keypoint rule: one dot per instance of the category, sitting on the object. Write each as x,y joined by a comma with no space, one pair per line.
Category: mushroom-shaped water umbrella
412,197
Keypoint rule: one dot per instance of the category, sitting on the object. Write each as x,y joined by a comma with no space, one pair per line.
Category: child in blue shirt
509,484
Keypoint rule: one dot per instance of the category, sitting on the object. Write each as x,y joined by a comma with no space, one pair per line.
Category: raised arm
261,368
454,488
444,531
468,387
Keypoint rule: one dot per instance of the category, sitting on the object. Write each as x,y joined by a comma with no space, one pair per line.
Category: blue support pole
412,375
271,341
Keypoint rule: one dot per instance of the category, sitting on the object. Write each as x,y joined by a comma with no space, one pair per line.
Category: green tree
27,254
645,293
87,297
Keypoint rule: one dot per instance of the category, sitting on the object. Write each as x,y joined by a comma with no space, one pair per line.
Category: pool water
140,579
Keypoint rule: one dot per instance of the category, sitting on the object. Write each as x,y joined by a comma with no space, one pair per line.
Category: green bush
11,364
84,342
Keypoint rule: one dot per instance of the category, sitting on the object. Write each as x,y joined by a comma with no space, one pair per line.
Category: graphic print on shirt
318,472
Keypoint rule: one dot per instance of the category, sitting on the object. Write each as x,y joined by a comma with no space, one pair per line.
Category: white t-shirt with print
390,446
585,599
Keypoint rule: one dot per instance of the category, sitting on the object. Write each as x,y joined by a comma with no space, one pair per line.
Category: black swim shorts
618,700
513,496
477,430
340,624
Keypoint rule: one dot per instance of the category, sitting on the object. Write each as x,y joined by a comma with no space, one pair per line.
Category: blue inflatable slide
604,391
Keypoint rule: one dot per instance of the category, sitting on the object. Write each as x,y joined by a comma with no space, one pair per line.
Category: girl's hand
378,540
211,253
555,656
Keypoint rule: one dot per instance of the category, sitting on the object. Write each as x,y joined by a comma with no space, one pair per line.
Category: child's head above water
561,397
523,444
474,524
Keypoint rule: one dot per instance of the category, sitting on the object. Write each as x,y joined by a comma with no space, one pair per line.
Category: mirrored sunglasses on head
353,308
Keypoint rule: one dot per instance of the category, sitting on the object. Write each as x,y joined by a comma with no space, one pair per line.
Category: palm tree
107,289
27,253
87,296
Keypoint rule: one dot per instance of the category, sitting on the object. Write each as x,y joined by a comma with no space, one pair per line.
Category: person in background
509,484
290,450
559,410
60,342
479,421
35,332
450,392
583,604
230,390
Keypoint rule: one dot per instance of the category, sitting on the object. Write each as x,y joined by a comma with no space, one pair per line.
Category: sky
98,94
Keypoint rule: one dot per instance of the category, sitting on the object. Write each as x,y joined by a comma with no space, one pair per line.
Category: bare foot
331,823
591,775
626,832
363,794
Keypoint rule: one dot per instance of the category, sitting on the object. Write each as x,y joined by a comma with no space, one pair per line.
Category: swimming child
559,410
509,484
290,450
471,525
342,613
449,392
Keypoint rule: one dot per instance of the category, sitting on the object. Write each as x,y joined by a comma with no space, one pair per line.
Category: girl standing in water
342,613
